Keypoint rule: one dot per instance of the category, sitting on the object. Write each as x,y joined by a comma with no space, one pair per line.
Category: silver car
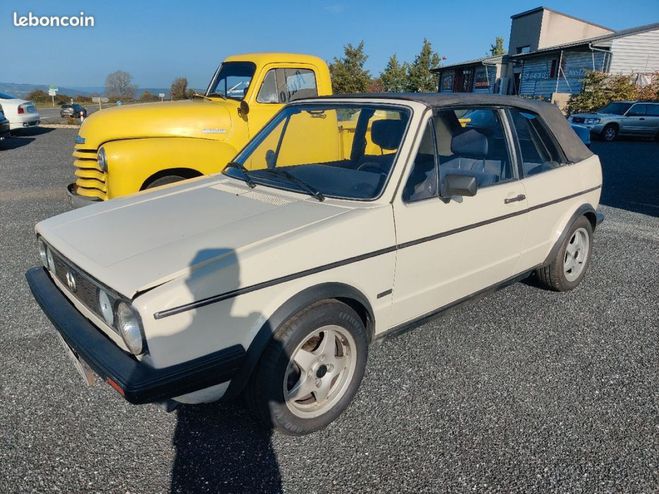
636,118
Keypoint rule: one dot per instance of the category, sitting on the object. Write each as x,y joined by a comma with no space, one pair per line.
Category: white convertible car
345,219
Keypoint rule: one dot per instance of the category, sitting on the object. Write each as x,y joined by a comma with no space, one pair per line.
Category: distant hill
22,90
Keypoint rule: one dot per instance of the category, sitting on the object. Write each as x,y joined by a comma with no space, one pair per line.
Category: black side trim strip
385,293
414,323
266,284
307,272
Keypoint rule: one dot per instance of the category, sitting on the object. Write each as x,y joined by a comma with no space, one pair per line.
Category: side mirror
459,185
244,108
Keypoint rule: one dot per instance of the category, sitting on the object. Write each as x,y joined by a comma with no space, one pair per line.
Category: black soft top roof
573,147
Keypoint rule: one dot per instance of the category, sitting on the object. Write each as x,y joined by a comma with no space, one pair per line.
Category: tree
497,47
147,96
394,76
599,88
119,85
179,88
348,73
419,77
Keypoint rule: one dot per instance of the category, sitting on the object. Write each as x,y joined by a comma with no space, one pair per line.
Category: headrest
387,133
470,144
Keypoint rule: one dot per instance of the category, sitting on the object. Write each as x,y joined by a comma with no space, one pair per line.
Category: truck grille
90,180
86,290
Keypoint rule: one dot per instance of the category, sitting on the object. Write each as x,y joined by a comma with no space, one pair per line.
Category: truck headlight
102,160
128,324
592,120
105,306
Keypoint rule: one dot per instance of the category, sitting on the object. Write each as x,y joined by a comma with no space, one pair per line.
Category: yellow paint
200,136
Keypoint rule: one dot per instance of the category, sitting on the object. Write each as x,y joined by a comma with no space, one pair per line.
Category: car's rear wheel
167,179
311,370
570,263
610,133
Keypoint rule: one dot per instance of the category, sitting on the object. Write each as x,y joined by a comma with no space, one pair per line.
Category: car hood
190,118
138,242
593,115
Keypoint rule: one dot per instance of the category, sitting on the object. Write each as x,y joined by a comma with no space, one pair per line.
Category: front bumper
136,381
78,201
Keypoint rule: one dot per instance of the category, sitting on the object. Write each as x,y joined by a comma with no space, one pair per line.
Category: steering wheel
371,166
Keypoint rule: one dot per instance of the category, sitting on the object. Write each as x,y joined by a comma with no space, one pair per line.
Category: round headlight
50,260
105,306
43,252
102,160
128,324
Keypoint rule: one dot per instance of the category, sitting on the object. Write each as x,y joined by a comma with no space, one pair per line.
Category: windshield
232,80
6,96
339,150
615,108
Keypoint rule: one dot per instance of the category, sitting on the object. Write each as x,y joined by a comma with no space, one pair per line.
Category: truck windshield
615,108
326,149
232,80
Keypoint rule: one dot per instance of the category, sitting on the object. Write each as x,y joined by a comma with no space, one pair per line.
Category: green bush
600,88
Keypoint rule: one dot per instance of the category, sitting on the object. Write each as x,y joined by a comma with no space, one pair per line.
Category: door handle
642,118
519,197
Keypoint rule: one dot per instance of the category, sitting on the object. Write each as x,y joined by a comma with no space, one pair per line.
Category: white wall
635,53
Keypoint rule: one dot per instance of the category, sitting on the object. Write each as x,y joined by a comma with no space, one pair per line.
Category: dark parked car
4,126
73,110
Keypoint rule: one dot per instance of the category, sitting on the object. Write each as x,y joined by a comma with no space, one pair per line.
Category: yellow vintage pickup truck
126,149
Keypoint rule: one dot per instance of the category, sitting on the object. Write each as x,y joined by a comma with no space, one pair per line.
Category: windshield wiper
241,167
292,178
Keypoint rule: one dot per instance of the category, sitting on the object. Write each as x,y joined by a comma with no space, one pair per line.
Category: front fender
132,162
293,305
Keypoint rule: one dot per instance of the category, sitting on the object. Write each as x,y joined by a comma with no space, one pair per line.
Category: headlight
592,120
102,160
105,306
50,260
128,324
43,252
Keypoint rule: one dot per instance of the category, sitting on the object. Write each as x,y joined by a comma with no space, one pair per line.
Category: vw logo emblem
71,281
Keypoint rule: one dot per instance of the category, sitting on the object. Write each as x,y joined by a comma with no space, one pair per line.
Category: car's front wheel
311,369
167,179
610,133
568,266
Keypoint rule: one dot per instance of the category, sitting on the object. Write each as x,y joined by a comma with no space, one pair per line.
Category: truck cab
126,149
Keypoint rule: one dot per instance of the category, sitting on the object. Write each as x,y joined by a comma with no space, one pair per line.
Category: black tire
553,275
610,133
265,390
167,179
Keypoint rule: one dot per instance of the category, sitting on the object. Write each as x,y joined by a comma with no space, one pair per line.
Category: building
549,53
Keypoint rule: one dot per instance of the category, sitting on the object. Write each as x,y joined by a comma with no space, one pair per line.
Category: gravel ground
523,390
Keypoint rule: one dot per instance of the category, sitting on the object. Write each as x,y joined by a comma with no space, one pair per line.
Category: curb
59,126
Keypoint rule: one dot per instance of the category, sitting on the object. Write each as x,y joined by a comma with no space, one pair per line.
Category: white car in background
20,113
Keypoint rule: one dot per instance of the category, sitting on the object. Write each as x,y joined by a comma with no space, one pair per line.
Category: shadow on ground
631,174
222,448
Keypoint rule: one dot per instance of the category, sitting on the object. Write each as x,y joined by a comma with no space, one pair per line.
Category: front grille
86,289
90,179
578,119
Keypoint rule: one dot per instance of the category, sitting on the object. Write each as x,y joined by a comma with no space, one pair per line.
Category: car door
452,247
554,187
279,85
652,118
635,121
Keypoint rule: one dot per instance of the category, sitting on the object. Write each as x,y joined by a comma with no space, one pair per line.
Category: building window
553,70
523,49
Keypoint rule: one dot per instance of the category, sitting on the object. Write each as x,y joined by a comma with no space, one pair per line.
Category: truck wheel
311,369
610,133
167,179
569,265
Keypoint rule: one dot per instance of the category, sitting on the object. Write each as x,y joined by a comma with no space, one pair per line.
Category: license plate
87,374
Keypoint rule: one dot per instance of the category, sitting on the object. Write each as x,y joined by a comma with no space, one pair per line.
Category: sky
157,41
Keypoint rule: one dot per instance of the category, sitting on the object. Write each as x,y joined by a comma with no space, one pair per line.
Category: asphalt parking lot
523,390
